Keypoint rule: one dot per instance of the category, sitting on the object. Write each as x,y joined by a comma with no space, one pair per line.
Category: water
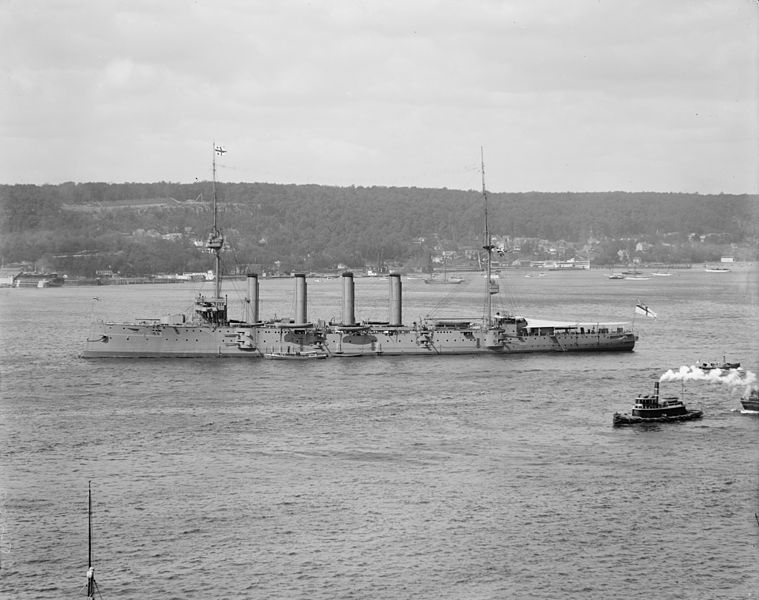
448,477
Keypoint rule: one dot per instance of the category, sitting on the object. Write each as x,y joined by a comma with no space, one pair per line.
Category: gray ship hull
432,342
130,340
123,340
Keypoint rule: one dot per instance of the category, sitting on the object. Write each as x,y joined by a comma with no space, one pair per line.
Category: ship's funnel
252,299
395,311
300,299
656,389
349,316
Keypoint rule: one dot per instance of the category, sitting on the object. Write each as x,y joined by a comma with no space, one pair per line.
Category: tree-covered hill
79,228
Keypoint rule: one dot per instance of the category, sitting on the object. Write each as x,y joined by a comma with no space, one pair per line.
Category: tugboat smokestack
349,316
396,309
656,389
252,311
300,299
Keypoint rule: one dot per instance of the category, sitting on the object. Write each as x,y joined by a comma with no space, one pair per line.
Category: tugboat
648,409
751,402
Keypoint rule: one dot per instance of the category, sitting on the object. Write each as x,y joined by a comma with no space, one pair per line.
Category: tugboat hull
621,419
751,402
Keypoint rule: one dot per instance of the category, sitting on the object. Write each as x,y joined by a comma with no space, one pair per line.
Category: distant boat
661,274
716,269
724,365
445,280
616,276
38,280
751,402
648,409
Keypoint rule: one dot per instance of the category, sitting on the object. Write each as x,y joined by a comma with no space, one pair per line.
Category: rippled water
448,477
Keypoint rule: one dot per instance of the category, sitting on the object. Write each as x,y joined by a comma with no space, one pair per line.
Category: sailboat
445,279
92,585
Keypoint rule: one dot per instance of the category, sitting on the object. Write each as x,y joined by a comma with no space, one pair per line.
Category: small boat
616,276
649,409
444,281
723,366
296,355
751,402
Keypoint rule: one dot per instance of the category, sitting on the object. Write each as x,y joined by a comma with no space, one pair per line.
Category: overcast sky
564,95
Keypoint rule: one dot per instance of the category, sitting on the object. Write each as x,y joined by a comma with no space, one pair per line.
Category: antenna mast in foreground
91,585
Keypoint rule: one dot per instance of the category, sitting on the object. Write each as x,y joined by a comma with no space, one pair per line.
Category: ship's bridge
211,310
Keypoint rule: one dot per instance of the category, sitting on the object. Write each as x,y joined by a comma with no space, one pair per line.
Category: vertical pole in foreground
90,570
89,524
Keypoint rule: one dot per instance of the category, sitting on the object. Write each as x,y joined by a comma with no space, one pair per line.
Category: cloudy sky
563,95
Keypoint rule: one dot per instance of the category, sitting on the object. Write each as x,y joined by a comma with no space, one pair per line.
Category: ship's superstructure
210,332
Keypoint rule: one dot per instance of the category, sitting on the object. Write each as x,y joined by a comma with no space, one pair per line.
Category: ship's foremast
215,238
214,310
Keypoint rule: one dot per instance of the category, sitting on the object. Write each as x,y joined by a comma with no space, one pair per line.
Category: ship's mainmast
488,246
216,239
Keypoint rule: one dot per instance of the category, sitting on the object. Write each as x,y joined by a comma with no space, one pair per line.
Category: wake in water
735,379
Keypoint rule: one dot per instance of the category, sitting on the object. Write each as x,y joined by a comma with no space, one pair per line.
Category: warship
209,331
